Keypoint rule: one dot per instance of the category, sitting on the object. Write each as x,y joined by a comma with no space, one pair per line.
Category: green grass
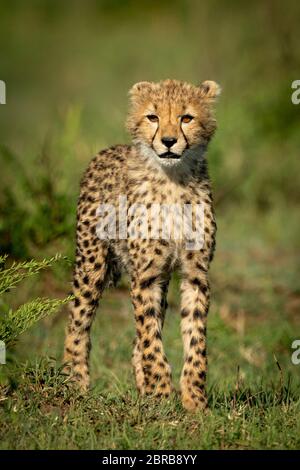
67,71
113,417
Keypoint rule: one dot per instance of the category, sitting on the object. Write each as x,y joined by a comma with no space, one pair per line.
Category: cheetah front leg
194,309
137,353
152,371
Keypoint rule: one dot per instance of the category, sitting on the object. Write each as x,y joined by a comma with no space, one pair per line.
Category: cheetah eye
152,117
186,118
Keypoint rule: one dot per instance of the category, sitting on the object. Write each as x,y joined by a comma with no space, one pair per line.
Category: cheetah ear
209,89
140,88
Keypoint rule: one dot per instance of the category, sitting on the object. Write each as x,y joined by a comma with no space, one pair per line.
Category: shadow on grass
285,392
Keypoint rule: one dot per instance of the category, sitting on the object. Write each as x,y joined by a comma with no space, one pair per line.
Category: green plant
15,322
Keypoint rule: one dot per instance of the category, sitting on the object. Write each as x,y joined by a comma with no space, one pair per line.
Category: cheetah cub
129,212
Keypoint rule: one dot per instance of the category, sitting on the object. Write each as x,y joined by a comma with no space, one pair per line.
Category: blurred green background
68,67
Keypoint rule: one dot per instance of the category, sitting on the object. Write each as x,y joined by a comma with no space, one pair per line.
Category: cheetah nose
169,141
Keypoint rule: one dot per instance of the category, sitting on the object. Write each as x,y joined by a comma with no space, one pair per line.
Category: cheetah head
171,119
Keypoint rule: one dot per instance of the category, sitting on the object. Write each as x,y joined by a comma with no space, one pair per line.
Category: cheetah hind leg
88,284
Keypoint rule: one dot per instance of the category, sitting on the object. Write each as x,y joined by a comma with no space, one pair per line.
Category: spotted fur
148,171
